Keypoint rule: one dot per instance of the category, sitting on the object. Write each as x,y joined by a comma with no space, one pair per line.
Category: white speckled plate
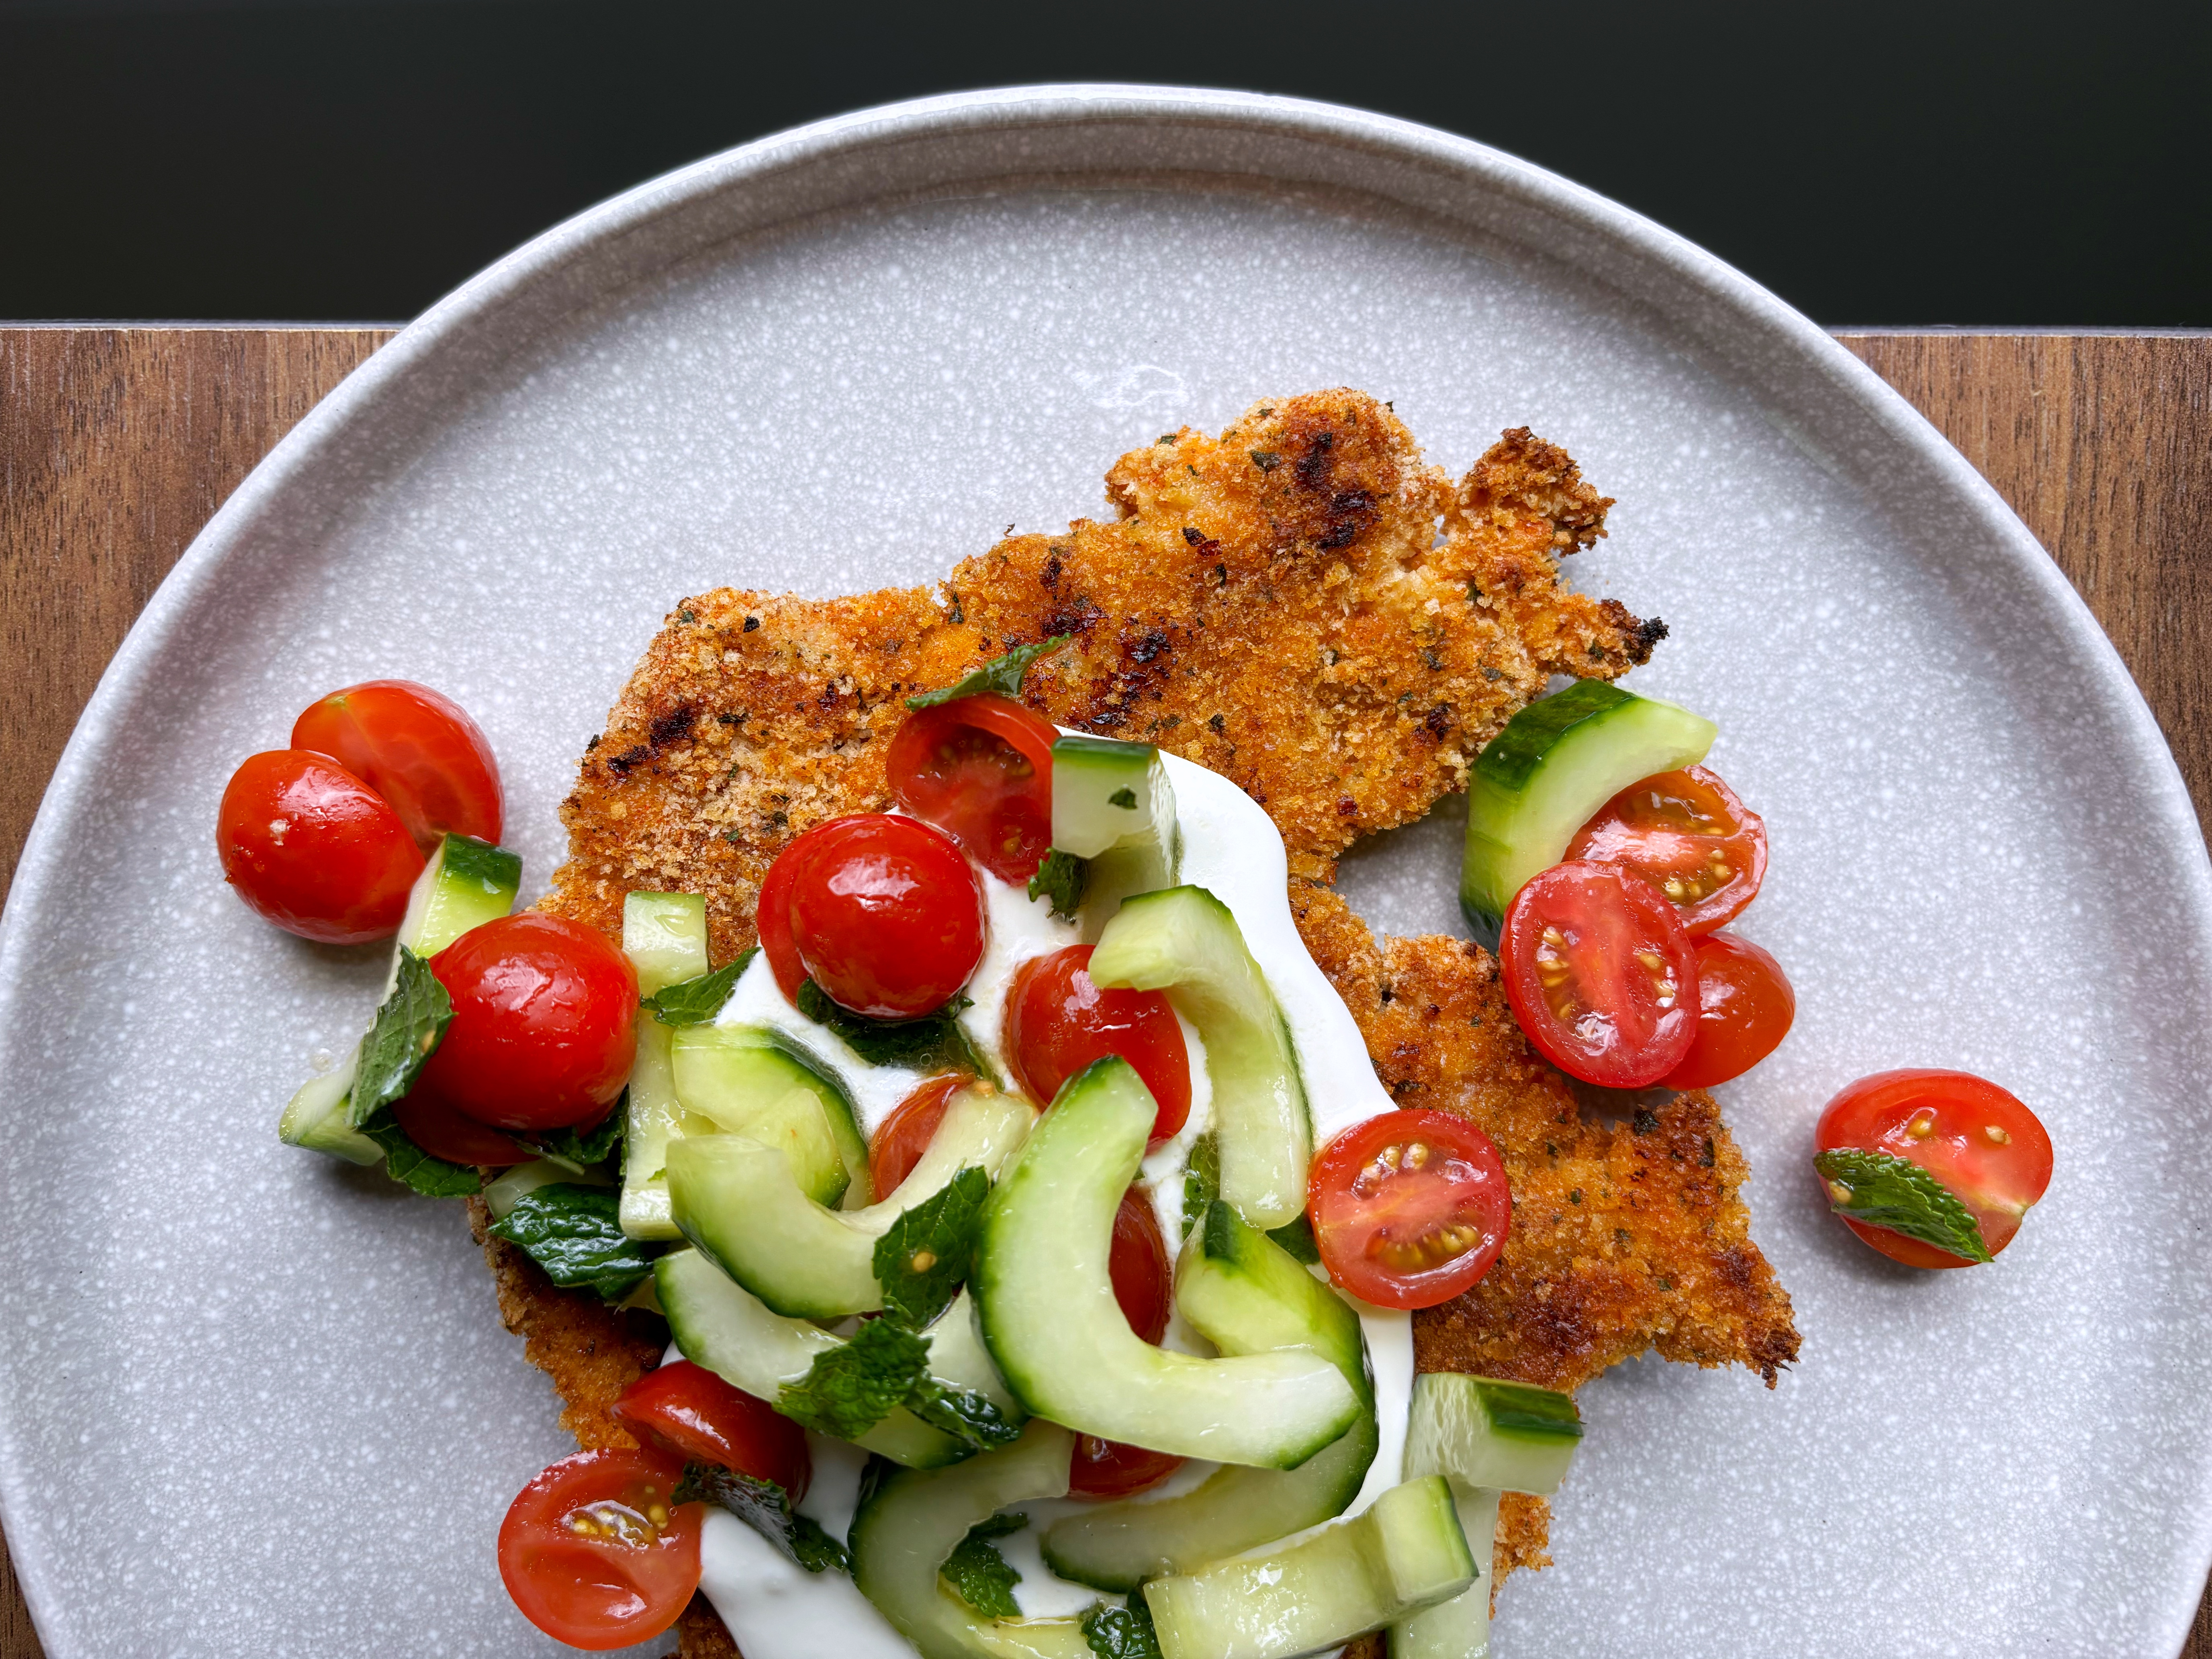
255,1403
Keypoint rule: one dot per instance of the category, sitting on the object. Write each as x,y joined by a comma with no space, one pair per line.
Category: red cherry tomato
693,1412
593,1555
433,1124
772,921
415,747
1600,975
982,768
1143,1283
1977,1139
310,847
1688,836
543,1030
885,913
1745,1008
1409,1208
904,1136
1058,1022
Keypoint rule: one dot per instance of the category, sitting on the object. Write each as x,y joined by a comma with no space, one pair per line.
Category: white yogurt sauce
1230,847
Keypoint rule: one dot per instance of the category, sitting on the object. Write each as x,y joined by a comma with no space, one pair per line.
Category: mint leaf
854,1386
1061,878
1295,1235
979,1574
581,1149
1122,1632
1878,1190
1124,798
574,1232
963,1413
934,1043
696,1001
410,1165
923,1259
1201,1181
409,1028
1001,674
766,1507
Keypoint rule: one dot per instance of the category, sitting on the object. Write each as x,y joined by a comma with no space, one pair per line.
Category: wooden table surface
115,444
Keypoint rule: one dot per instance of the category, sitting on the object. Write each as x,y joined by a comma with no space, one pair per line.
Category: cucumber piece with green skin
914,1519
1244,1293
664,937
1112,804
1459,1628
738,1200
1547,774
752,1081
1485,1432
1058,1335
722,1326
1184,941
1402,1554
467,883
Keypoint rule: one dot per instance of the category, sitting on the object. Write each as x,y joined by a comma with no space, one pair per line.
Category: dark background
1882,163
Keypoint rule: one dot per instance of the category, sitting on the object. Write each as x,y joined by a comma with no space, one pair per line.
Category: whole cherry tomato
1058,1022
593,1553
1600,975
544,1023
1745,1008
1409,1208
904,1136
310,847
1143,1280
982,768
693,1412
432,1123
417,748
886,915
1688,836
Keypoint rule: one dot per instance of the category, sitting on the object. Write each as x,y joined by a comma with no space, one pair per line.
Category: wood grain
117,444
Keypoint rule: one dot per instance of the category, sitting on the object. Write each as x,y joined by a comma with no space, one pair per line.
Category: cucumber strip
721,1325
501,1192
738,1200
1404,1554
1184,941
1059,1337
914,1519
1547,774
315,1117
1244,1293
1484,1433
1459,1628
1112,804
664,937
752,1081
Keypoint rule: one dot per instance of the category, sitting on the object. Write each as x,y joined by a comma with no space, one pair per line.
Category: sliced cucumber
467,883
751,1080
722,1326
1404,1554
501,1192
1053,1325
738,1200
1113,804
1184,941
1548,773
1459,1628
1244,1294
1484,1433
914,1519
664,937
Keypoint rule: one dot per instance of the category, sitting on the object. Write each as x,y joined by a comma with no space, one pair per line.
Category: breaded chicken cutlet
1304,605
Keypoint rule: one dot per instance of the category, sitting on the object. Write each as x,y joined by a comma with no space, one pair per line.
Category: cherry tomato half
1977,1139
693,1412
904,1136
1600,975
1745,1008
593,1555
1143,1279
417,748
544,1023
1113,1468
886,915
1688,836
1409,1208
1058,1022
310,847
432,1123
981,768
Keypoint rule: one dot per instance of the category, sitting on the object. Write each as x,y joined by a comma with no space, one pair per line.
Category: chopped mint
851,1388
410,1165
1295,1235
1002,675
933,1043
1122,1632
574,1232
580,1149
1125,797
1201,1181
1061,878
979,1574
766,1507
696,1001
924,1258
408,1030
963,1413
1878,1190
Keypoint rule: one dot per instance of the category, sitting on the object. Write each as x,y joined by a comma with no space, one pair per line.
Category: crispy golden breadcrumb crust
1304,605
